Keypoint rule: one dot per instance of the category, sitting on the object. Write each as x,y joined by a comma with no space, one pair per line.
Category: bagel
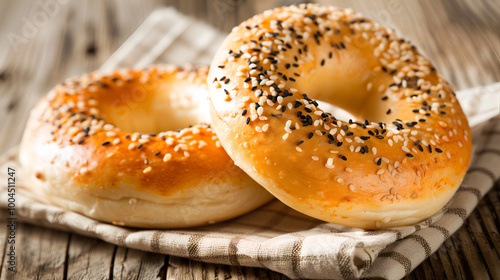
118,148
397,162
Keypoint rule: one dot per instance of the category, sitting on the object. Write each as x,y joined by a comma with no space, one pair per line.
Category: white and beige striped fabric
275,236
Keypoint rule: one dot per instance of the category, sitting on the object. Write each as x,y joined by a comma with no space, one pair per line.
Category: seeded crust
397,163
79,158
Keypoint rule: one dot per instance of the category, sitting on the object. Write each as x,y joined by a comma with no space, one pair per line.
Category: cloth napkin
275,236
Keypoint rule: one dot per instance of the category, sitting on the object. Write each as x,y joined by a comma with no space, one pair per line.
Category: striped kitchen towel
275,236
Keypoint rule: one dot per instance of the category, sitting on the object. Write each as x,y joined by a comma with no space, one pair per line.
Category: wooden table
44,42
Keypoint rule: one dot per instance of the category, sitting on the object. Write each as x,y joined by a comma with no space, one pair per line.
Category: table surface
44,42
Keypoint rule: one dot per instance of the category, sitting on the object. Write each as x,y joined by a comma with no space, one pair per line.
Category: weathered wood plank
40,253
89,258
3,245
184,269
134,264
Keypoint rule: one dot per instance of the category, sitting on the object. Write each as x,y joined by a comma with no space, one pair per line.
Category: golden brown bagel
398,163
104,146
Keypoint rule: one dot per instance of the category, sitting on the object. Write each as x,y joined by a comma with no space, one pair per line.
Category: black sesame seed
385,98
438,150
322,62
364,137
379,161
409,155
343,157
106,143
388,111
384,69
221,66
81,141
244,112
349,134
300,142
298,104
310,135
276,115
248,120
140,146
287,66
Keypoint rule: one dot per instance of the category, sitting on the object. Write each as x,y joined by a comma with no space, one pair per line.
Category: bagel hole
337,112
167,107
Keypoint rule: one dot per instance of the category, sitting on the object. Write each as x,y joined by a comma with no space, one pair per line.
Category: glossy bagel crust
79,158
397,163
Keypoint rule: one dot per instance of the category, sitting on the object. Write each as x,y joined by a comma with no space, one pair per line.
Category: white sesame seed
147,169
217,144
347,169
374,151
83,170
380,171
329,163
167,157
131,146
315,158
351,187
298,149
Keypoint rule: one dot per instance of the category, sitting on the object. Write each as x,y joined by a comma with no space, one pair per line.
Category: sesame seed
351,187
347,169
329,163
315,158
380,171
147,170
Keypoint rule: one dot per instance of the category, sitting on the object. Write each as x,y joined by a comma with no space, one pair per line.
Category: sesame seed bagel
118,148
398,161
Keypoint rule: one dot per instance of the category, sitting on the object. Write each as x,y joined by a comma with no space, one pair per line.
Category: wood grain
461,38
